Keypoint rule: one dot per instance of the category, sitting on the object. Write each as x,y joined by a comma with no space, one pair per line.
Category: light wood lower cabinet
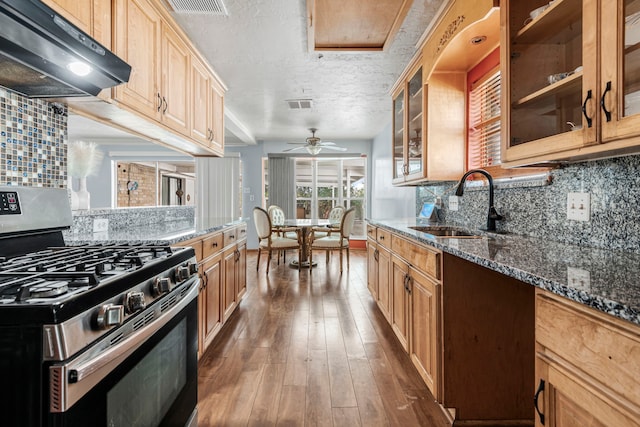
223,283
210,301
590,377
468,330
372,267
424,321
400,300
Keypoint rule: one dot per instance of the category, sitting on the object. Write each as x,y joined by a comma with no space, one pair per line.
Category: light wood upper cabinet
216,117
175,81
207,108
570,80
408,125
200,107
137,41
92,16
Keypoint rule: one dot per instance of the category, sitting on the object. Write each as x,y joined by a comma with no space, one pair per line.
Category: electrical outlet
252,198
579,206
578,278
100,225
453,203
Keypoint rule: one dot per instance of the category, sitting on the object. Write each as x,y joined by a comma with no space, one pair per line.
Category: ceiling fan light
313,149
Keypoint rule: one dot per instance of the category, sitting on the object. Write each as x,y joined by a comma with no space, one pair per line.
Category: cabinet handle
215,244
584,108
381,237
376,253
407,279
607,113
535,401
164,101
159,102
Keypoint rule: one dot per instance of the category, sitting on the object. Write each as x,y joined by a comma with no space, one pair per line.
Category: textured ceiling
260,52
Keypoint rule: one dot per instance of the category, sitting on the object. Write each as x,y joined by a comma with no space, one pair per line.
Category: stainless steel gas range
92,335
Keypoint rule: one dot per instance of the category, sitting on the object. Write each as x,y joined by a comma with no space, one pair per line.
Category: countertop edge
600,303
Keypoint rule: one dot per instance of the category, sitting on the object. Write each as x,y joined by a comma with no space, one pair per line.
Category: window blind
484,122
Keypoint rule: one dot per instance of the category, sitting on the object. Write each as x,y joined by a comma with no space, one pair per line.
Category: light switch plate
579,278
100,225
579,206
453,203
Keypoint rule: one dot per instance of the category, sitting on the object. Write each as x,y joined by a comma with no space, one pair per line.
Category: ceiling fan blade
331,147
297,143
294,149
324,143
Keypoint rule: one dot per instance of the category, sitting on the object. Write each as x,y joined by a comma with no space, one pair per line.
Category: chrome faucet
493,215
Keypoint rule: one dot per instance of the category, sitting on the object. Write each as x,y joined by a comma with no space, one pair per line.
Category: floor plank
310,349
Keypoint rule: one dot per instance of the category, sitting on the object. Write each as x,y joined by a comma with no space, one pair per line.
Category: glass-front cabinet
408,124
573,86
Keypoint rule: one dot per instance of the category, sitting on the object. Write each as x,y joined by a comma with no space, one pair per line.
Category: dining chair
269,241
335,218
277,216
337,240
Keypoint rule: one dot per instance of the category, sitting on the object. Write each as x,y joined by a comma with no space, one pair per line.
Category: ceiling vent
300,104
211,7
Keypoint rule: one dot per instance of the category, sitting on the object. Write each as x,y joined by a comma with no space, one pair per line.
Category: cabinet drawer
231,236
211,245
242,232
196,244
371,232
425,260
384,238
597,344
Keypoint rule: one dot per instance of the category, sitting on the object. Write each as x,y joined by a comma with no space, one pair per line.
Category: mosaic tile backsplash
541,211
33,149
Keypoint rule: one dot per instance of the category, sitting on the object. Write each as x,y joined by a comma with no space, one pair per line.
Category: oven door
147,379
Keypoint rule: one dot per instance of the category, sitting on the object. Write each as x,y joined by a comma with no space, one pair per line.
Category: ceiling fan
314,145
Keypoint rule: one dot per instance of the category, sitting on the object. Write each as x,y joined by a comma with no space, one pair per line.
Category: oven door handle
70,381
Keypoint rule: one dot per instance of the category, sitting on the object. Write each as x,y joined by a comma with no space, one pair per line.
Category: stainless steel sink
443,231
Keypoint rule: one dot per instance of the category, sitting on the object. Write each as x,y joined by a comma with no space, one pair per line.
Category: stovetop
58,282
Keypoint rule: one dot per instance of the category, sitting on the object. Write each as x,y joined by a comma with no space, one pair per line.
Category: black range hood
38,49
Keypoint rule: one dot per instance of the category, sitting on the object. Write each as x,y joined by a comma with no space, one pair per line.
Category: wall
387,201
136,185
33,138
541,211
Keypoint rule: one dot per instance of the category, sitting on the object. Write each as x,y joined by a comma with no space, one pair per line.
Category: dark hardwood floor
310,349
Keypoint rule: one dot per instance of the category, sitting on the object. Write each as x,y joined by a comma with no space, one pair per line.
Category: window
484,122
322,183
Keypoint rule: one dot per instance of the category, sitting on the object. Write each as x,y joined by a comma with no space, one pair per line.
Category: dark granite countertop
164,233
613,284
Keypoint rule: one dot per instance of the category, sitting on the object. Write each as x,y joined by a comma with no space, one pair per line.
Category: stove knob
161,285
109,315
134,301
182,273
193,268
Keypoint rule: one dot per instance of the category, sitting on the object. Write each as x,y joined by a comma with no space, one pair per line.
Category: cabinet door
620,82
571,402
400,300
242,269
230,278
384,282
549,72
217,118
211,292
414,126
200,106
79,13
137,41
372,268
424,320
399,162
176,73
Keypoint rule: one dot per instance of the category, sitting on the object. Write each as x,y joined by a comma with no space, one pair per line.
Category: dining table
305,224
